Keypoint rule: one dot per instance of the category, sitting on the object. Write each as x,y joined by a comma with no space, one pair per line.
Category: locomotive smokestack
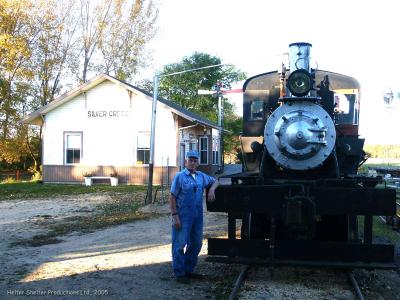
299,56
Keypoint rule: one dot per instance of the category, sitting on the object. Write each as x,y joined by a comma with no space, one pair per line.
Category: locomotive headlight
299,82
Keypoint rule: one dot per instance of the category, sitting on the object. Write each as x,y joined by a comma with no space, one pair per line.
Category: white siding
108,139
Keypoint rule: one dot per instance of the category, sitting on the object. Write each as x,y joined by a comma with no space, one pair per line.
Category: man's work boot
195,275
182,279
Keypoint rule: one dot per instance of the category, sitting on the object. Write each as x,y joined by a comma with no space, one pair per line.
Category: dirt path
130,261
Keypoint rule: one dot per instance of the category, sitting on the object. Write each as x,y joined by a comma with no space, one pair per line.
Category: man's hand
211,191
211,195
177,222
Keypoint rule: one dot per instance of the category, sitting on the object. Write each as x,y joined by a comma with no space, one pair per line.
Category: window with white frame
73,147
203,148
192,146
143,148
215,154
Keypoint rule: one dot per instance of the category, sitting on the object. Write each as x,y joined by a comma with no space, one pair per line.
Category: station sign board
191,141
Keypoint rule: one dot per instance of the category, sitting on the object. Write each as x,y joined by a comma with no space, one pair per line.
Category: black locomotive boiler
299,196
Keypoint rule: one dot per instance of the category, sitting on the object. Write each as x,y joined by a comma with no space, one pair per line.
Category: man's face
192,164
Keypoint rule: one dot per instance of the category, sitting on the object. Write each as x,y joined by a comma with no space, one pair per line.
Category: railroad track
246,269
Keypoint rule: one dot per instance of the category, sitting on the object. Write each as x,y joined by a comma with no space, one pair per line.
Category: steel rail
238,282
355,285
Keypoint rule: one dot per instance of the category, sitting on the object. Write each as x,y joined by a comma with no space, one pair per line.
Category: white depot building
103,127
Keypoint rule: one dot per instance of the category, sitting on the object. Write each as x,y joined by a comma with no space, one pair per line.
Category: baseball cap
192,153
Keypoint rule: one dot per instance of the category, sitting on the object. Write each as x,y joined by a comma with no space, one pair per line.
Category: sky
355,38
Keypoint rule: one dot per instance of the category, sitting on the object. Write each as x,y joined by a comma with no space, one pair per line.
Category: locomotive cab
299,188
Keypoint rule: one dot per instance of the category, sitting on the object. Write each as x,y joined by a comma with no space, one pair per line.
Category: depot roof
35,117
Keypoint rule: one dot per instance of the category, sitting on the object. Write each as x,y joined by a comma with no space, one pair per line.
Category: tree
92,21
44,42
17,35
122,45
113,36
54,49
183,89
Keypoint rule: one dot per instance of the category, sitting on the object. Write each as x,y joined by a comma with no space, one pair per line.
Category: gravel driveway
133,261
130,261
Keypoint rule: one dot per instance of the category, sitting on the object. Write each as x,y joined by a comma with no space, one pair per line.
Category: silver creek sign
107,113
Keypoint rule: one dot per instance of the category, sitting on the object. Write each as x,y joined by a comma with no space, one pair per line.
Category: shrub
9,180
37,176
88,174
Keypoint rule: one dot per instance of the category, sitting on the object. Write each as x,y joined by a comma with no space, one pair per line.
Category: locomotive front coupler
299,217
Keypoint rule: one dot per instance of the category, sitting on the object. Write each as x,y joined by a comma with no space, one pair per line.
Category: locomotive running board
300,263
328,200
315,252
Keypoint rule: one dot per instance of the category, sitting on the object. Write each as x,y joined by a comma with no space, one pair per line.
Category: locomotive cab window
346,96
346,108
257,107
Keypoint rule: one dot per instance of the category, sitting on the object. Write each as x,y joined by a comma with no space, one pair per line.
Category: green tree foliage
183,89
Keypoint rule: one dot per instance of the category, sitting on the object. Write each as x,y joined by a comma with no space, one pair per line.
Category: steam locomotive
299,197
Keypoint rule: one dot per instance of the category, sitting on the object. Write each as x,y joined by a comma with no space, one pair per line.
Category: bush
37,176
9,180
88,174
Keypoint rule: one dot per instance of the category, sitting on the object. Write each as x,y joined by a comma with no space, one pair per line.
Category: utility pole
152,138
156,79
218,89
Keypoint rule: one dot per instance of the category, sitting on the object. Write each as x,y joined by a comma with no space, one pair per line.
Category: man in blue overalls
186,203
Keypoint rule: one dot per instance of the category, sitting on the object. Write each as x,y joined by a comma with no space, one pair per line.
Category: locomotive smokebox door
300,135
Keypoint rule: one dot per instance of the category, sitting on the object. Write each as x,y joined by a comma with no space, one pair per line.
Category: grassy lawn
31,190
119,211
382,165
380,230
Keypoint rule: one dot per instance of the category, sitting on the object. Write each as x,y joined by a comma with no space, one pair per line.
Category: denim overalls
189,204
